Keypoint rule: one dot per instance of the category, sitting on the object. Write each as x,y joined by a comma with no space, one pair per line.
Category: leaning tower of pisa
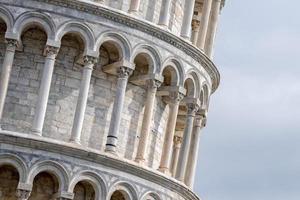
104,100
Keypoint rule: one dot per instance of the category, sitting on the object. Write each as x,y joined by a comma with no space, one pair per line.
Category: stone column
187,18
193,155
165,160
177,144
152,86
22,194
212,28
187,135
82,98
44,90
134,6
204,23
164,15
195,31
112,137
6,70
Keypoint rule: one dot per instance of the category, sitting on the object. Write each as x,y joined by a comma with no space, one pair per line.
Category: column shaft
112,137
176,150
187,135
44,90
169,134
134,6
82,98
212,28
195,31
6,71
193,155
204,23
146,125
187,18
164,15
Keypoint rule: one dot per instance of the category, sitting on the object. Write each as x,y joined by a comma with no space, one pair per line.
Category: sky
250,148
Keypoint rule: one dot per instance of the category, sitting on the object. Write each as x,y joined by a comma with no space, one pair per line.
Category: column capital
176,96
192,108
153,83
89,60
22,194
177,141
51,51
124,72
195,24
11,44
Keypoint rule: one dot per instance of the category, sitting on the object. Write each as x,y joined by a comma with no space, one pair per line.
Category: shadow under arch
29,19
178,73
126,189
84,32
53,168
152,195
17,162
7,17
95,180
124,47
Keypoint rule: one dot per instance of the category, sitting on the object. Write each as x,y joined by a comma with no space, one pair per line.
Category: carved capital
51,51
192,108
124,72
153,83
200,121
89,60
176,97
177,141
11,44
195,24
22,194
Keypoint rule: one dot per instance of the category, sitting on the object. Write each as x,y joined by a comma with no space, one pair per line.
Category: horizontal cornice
64,148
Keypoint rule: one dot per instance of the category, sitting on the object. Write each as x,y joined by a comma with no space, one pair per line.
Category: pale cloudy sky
250,149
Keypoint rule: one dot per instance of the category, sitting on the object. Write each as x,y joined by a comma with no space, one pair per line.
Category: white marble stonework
104,99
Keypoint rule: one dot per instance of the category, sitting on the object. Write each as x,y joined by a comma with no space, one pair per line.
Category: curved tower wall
103,102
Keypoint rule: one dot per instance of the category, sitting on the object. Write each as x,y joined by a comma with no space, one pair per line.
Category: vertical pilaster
82,98
152,86
165,160
212,27
187,135
176,149
193,154
6,71
187,18
164,15
44,90
112,137
204,23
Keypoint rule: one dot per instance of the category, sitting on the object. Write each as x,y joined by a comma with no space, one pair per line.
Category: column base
75,142
140,161
111,150
36,132
165,170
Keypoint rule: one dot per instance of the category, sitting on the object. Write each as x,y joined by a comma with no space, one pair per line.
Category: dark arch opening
45,185
9,179
118,195
84,191
109,53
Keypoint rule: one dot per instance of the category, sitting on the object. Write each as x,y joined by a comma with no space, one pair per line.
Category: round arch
150,51
127,189
95,180
195,77
206,94
53,168
28,19
16,162
178,69
80,29
120,41
7,17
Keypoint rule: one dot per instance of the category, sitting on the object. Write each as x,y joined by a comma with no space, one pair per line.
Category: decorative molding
64,148
146,27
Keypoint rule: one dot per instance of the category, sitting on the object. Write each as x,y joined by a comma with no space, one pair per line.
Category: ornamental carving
51,51
124,72
192,108
22,194
176,97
